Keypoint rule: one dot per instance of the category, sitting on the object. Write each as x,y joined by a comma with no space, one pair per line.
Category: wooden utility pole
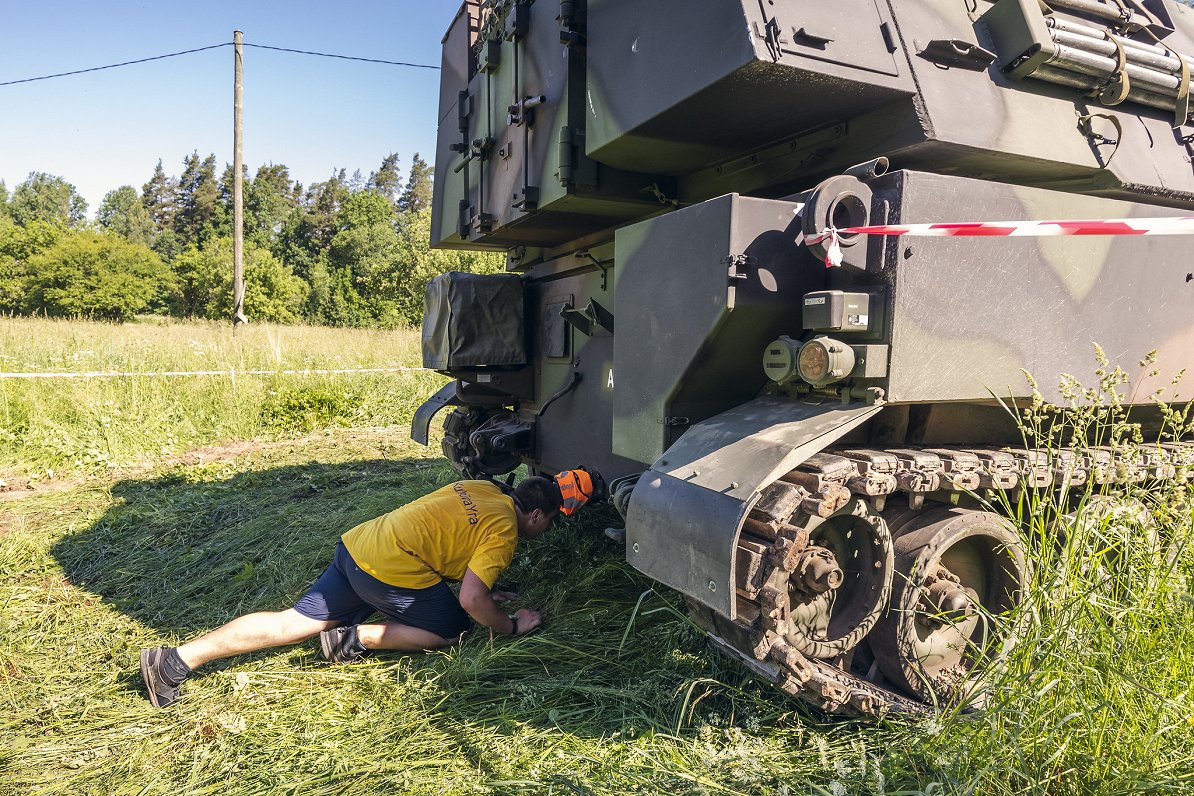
238,185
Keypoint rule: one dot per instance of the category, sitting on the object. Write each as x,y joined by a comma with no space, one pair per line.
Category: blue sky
106,129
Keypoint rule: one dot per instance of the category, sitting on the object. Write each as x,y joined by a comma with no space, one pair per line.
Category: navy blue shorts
347,594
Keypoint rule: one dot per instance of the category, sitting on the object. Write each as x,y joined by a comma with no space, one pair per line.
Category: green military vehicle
793,445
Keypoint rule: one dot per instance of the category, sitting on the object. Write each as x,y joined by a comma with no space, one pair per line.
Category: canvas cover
473,321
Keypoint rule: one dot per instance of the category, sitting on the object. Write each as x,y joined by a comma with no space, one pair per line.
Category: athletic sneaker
341,644
163,672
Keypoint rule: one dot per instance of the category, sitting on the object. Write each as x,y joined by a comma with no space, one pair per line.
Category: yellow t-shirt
466,525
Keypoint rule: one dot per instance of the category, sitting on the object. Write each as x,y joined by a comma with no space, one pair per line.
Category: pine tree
198,195
387,180
160,197
417,195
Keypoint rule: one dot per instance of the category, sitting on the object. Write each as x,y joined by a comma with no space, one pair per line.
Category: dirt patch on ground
17,487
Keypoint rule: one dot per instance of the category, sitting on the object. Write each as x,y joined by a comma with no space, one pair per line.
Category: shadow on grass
185,553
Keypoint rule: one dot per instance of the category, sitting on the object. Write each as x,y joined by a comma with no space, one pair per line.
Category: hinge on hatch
574,166
567,158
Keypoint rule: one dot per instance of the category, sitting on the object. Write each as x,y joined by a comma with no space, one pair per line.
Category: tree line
348,251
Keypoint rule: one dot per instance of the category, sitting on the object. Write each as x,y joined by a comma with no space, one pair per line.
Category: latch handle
956,52
814,39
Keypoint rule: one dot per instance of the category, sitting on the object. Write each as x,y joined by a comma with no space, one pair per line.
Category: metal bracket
948,53
772,36
592,321
523,111
526,200
737,264
478,150
602,265
483,223
518,23
421,423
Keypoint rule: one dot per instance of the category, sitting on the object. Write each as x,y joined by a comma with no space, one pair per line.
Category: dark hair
537,492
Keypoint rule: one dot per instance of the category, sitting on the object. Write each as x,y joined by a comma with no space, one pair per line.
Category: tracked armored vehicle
793,445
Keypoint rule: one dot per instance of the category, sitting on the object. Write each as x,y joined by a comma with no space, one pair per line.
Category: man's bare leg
250,633
404,638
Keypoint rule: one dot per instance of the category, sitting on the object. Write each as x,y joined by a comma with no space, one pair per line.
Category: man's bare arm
477,599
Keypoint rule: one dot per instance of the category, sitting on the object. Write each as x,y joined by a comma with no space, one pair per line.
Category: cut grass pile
617,693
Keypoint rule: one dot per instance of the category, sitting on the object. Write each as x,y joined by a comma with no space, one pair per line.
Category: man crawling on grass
396,565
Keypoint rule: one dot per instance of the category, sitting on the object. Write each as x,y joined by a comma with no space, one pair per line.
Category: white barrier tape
1165,225
1178,225
833,250
107,374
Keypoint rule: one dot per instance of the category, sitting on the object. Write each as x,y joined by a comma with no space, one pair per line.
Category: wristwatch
514,620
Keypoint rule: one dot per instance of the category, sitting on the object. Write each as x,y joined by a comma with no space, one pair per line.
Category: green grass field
142,511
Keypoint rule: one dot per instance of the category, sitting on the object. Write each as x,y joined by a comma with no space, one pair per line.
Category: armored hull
801,450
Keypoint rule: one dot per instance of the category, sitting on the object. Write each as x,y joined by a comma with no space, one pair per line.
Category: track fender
686,511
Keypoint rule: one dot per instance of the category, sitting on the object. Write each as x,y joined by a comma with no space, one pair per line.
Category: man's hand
482,605
528,620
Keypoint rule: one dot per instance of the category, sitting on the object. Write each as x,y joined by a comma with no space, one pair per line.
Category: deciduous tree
271,196
44,197
17,245
122,213
95,275
272,291
423,263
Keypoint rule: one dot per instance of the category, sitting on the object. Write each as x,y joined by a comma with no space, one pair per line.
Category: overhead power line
216,47
345,57
113,66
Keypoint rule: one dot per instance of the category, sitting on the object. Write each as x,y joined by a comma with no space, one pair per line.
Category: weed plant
617,693
1098,696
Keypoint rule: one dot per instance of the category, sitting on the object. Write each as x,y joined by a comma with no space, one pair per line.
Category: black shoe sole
325,648
151,680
